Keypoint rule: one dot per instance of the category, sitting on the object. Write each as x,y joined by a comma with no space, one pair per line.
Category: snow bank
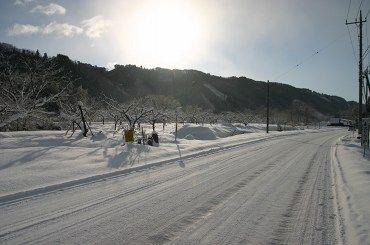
352,171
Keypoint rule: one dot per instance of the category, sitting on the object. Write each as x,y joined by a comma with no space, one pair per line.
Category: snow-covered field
30,160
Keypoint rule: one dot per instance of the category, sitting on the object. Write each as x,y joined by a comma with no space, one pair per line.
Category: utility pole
173,83
367,86
268,107
80,104
360,75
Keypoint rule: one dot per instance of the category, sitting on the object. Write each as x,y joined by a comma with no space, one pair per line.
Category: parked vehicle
336,121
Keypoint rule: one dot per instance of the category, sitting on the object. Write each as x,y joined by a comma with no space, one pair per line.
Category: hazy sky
257,39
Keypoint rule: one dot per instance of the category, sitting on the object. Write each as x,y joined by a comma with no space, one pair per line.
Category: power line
367,36
349,7
367,42
367,13
365,53
353,48
359,8
349,32
310,56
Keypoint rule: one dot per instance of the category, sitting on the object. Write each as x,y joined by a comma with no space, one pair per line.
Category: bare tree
193,113
27,89
161,108
132,111
69,113
205,116
229,117
137,110
96,110
69,116
246,117
115,109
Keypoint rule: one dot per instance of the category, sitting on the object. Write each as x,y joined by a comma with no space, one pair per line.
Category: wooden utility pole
173,83
268,107
367,87
80,104
360,74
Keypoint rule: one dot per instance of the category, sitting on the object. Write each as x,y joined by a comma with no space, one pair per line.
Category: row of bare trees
151,109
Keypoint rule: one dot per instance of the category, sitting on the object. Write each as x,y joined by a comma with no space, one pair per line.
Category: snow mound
213,132
191,132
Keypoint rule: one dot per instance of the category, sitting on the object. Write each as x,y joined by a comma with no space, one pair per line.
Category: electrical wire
367,43
368,57
353,48
296,66
365,53
299,64
349,7
359,8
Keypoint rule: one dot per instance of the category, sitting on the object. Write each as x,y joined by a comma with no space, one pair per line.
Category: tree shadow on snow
128,155
26,158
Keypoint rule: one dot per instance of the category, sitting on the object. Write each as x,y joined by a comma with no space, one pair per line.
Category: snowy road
276,191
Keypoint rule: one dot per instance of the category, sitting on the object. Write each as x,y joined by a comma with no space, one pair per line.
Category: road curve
278,191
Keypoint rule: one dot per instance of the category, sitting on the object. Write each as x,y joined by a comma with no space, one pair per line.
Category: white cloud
95,26
58,29
61,29
19,29
22,2
50,9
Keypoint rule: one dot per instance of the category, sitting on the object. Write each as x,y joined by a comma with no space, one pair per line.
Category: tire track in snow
253,199
284,231
238,203
174,229
337,180
200,212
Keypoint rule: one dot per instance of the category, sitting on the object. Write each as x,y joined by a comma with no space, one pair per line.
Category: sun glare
167,34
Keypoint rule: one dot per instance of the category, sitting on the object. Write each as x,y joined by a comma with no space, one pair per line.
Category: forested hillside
189,87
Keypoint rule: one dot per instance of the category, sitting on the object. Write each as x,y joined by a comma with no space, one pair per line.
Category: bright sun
166,34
